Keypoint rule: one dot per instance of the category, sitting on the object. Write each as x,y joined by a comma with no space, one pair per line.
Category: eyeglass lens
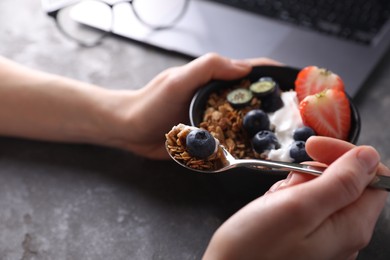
73,22
159,13
155,14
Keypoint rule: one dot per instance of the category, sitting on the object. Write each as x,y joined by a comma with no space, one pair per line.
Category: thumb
342,182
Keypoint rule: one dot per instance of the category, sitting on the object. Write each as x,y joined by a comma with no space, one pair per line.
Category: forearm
43,106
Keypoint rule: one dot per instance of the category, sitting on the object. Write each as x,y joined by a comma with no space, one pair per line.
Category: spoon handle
284,166
379,182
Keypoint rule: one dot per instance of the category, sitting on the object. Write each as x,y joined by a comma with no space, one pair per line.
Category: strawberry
312,79
328,113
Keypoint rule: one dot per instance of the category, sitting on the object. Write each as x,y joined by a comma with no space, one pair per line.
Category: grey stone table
69,201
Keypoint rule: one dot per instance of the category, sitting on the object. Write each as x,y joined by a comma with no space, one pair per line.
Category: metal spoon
227,161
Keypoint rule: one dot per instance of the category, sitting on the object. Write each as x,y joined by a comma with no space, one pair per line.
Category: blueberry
200,143
303,133
255,121
272,103
298,152
264,140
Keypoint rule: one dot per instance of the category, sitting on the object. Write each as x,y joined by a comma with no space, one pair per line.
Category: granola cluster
224,122
176,145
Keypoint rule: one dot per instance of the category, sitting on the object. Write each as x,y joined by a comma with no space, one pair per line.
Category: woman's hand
44,106
305,217
164,102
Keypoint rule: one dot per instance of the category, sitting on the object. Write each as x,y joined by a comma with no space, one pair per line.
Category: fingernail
242,63
369,158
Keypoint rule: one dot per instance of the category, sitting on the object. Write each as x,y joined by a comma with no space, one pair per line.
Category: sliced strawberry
312,79
328,113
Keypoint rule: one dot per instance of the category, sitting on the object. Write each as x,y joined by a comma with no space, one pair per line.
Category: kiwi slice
239,97
263,87
269,92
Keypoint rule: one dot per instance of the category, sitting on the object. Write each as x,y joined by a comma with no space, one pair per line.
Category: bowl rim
254,75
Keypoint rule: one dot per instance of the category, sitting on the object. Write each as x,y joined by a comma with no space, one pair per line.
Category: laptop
296,36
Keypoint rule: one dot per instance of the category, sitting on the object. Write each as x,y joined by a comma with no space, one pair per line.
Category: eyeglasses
89,31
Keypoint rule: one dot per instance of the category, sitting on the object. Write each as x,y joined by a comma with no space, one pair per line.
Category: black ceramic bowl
285,76
245,183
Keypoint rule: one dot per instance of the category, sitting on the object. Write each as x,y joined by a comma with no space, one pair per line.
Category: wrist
112,119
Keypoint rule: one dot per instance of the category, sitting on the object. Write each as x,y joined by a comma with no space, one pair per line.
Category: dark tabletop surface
69,201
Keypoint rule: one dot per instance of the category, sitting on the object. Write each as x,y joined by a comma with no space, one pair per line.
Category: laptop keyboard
357,20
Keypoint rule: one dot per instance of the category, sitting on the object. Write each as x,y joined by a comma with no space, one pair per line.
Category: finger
213,66
353,256
293,178
368,207
325,149
342,183
184,80
354,233
297,178
264,61
275,186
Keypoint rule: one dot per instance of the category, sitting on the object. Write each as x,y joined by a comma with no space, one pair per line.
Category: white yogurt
285,120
